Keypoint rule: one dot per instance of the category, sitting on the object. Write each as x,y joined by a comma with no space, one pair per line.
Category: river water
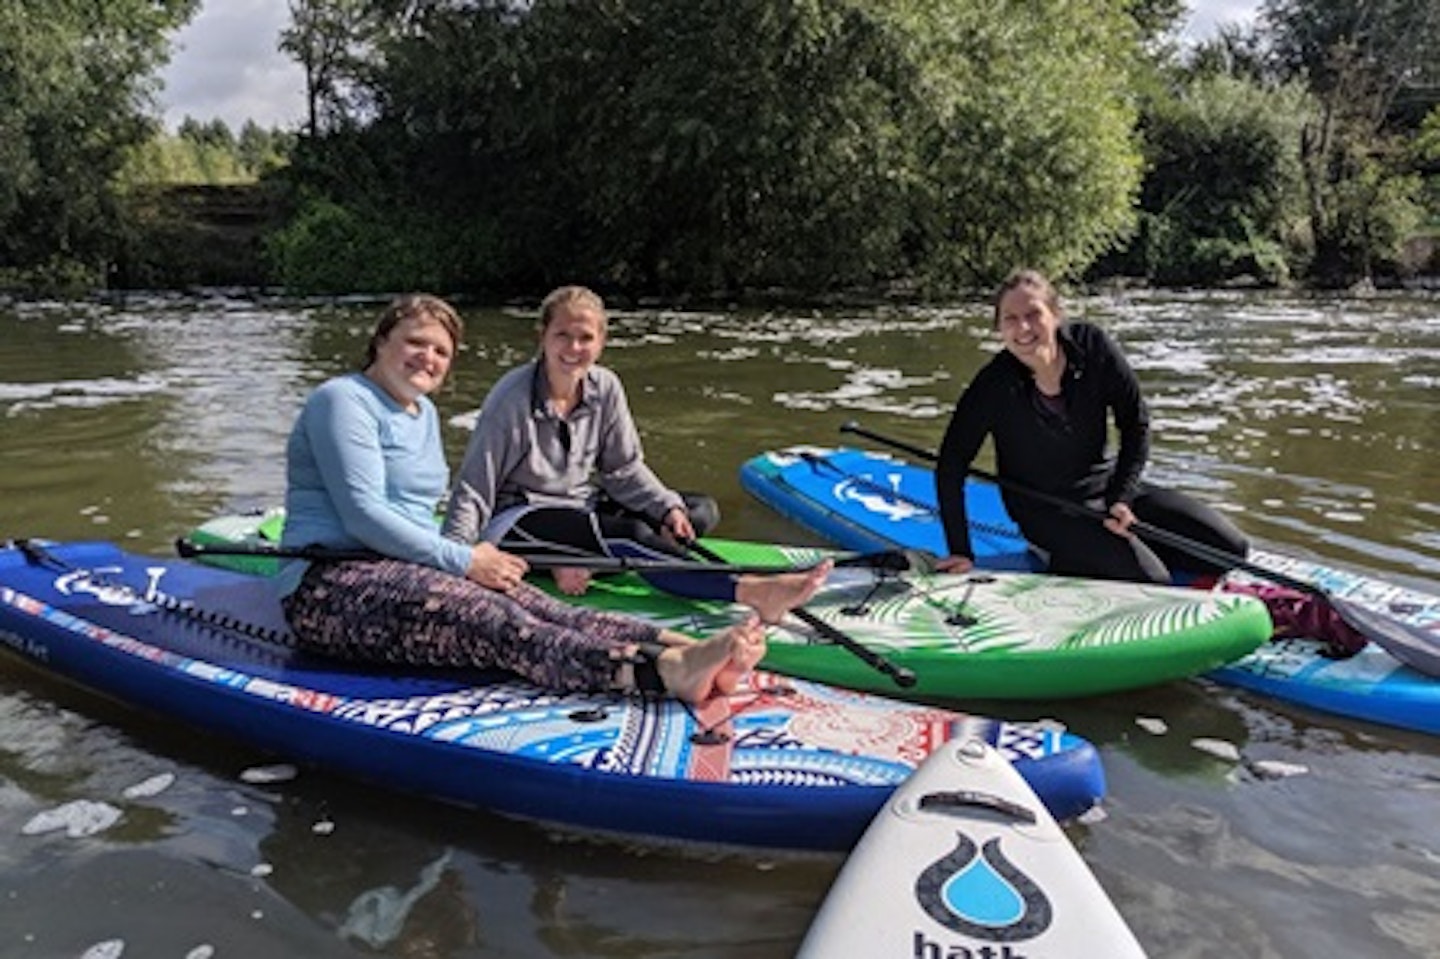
1315,422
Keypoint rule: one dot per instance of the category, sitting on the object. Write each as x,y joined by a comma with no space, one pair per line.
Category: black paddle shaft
902,676
191,550
1156,534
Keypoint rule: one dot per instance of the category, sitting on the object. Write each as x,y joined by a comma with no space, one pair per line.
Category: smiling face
571,341
411,360
1026,321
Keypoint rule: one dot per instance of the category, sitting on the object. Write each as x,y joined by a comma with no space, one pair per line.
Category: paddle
900,675
1412,645
190,550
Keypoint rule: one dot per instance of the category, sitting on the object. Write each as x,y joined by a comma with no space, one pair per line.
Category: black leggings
1082,546
626,533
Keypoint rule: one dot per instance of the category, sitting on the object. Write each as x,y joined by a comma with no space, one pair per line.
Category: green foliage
1223,196
329,248
76,84
1027,154
207,153
1425,157
730,145
1357,57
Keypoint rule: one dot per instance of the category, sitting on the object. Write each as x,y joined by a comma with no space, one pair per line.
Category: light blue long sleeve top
362,472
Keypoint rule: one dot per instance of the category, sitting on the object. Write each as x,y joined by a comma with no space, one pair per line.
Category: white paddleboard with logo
963,861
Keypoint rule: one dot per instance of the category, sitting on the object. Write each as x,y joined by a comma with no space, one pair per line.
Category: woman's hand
955,564
493,567
677,524
571,580
1120,519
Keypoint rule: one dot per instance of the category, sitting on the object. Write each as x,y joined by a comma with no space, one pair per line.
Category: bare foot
697,671
571,580
775,595
745,655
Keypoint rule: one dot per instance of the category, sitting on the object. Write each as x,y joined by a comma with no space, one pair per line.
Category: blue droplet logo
984,896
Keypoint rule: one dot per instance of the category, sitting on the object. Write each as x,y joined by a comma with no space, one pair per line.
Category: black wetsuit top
1062,453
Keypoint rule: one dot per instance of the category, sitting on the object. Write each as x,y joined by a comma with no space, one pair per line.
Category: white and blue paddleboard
781,763
963,860
865,500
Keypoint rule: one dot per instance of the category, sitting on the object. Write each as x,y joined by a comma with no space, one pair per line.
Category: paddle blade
1415,646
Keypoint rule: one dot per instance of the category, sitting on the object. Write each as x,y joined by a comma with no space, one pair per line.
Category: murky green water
1315,422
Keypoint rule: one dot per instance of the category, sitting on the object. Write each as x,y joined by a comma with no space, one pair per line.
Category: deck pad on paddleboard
1006,635
782,763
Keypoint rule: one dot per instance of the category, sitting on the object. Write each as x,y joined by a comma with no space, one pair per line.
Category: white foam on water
278,773
1219,748
153,786
1276,769
377,916
1342,516
79,818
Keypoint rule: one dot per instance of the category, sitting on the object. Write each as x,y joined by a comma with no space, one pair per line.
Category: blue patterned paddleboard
783,763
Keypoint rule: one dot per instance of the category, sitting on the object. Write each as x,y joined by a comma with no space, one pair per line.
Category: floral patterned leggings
388,611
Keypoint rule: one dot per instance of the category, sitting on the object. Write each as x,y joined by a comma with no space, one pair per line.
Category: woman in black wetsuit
1046,400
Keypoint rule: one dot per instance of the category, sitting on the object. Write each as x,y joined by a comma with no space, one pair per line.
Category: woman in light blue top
365,470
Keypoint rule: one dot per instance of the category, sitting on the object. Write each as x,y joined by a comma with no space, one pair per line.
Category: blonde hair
571,296
420,306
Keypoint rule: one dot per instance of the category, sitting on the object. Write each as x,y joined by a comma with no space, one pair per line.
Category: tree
1028,153
718,146
334,41
1222,196
79,82
1356,56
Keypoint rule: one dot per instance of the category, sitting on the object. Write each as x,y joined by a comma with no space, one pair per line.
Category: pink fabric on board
1298,614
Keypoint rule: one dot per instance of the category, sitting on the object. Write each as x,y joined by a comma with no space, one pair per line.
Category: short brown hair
415,305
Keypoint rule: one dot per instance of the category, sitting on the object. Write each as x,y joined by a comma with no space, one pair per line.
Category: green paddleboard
975,636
